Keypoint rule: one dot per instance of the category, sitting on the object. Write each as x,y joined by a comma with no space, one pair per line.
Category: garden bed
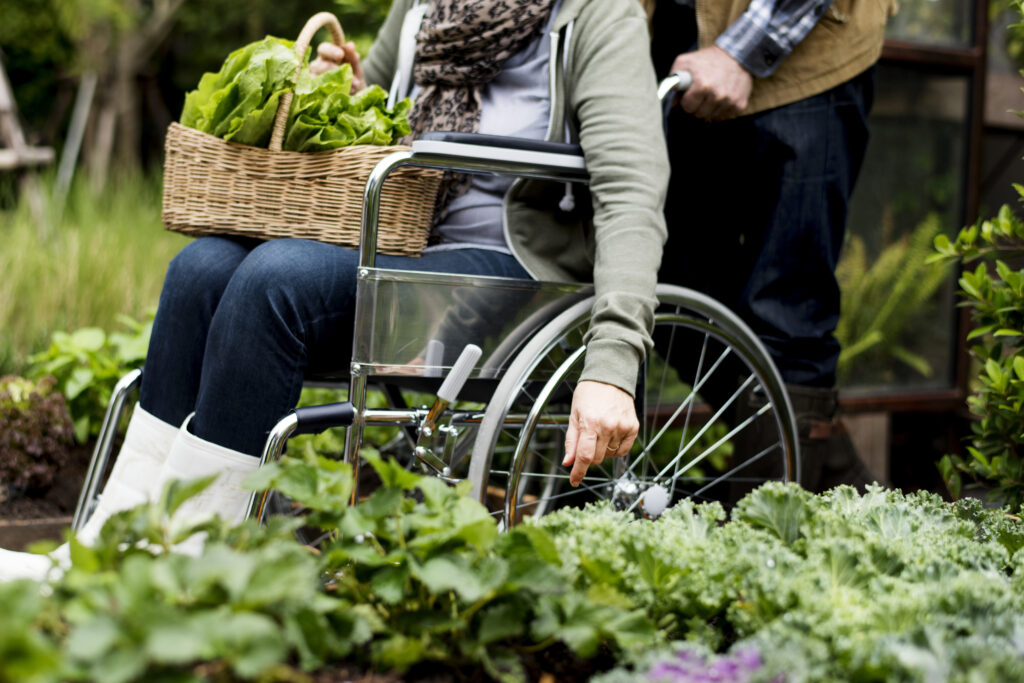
25,519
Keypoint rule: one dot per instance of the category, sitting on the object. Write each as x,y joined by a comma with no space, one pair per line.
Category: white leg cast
191,458
136,476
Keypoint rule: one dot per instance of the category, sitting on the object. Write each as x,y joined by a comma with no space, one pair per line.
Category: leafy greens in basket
239,103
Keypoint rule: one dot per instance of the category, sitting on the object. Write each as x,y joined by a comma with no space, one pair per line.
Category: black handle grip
315,419
504,142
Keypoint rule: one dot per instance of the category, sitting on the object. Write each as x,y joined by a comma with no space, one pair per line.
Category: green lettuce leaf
239,103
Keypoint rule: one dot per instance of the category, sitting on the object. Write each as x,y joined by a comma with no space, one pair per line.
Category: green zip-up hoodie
603,96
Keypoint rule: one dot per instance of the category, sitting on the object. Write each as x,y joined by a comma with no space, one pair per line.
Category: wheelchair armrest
504,142
469,153
480,150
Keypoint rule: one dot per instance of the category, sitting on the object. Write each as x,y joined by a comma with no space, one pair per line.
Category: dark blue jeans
756,215
240,323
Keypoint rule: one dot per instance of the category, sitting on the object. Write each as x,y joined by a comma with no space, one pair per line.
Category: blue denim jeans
240,323
757,213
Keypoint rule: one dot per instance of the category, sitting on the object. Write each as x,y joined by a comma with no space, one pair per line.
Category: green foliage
239,102
1014,36
88,363
884,303
28,653
995,294
251,606
442,584
836,587
35,433
415,573
325,116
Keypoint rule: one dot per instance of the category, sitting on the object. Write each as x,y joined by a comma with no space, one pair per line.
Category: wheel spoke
685,405
707,425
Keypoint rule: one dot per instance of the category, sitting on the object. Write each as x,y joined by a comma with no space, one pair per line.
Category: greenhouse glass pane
1003,80
933,22
897,327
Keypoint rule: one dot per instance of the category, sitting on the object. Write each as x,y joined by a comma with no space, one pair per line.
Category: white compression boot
134,479
191,458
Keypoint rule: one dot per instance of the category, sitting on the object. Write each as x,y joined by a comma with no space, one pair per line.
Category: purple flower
689,666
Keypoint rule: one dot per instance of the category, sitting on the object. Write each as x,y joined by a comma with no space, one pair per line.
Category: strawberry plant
88,363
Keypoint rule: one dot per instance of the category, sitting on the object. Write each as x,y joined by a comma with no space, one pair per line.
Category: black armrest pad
504,141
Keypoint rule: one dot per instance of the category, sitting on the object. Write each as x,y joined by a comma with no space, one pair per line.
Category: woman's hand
602,424
330,56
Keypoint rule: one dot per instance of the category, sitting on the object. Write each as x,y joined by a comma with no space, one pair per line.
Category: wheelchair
502,357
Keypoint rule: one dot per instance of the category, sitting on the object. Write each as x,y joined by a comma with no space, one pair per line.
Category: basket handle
315,23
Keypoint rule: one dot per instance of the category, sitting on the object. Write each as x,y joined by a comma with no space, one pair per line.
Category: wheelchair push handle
678,81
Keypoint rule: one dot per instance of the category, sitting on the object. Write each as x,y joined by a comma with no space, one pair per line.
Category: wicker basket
212,186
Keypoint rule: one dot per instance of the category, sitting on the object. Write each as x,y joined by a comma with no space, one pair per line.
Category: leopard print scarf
460,47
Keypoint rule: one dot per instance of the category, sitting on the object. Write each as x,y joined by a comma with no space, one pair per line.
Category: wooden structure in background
16,154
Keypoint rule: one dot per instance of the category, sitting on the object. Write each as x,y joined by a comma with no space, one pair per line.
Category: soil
27,517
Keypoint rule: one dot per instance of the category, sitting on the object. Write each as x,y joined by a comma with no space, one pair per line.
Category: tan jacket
846,41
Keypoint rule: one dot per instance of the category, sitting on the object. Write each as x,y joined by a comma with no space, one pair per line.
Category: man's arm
768,31
752,47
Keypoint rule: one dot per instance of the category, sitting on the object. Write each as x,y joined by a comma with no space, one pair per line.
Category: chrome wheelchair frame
513,461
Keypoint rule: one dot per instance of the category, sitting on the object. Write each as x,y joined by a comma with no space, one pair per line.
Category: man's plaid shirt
768,31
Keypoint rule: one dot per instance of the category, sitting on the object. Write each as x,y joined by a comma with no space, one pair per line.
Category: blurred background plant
145,55
36,435
885,300
106,257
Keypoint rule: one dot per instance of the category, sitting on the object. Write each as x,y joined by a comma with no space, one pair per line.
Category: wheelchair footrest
316,419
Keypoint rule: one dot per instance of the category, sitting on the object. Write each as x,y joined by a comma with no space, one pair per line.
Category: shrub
995,293
36,433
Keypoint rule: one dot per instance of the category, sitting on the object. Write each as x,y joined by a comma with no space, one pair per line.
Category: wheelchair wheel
715,419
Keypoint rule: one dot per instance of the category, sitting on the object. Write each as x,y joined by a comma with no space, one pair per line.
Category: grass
102,256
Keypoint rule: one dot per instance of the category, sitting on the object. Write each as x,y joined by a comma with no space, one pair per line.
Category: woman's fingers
602,424
331,56
331,53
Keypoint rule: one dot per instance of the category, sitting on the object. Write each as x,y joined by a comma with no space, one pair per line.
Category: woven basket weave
212,186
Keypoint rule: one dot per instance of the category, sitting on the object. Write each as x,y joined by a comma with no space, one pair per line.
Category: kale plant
835,587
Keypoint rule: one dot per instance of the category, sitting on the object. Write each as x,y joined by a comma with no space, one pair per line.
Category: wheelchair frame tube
101,453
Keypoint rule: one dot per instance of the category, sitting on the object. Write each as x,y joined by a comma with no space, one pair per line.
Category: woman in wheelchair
240,322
